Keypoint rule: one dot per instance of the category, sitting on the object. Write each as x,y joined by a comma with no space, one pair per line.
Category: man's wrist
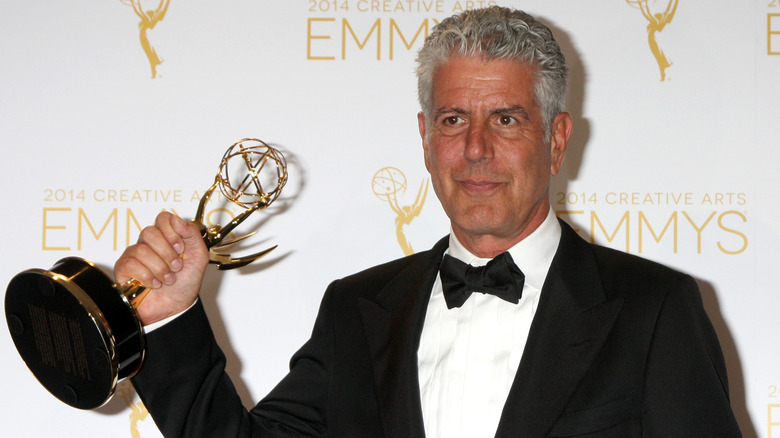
155,325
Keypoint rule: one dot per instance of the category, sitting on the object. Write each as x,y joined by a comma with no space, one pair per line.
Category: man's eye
451,120
506,120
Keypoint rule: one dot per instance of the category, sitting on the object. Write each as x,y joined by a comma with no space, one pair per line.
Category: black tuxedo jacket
619,347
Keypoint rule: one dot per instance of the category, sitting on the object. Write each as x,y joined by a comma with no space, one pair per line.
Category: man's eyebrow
516,110
455,110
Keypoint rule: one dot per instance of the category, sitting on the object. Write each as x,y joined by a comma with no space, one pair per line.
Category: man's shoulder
617,260
624,271
630,275
385,272
407,269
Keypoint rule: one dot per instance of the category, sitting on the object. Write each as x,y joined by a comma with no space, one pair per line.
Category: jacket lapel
393,321
570,326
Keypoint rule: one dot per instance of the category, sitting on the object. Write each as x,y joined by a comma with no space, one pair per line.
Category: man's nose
478,147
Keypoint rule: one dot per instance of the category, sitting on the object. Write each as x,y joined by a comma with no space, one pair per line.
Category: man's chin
478,225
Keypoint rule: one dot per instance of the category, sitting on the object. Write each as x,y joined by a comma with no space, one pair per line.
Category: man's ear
421,127
561,131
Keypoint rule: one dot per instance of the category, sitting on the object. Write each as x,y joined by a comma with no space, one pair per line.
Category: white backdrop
682,171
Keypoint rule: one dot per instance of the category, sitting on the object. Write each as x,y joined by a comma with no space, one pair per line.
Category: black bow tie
500,277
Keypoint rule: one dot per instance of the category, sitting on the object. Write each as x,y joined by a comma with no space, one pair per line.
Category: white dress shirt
468,356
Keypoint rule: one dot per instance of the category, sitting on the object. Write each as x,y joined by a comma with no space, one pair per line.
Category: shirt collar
533,255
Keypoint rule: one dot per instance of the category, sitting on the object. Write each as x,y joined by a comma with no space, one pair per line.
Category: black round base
75,330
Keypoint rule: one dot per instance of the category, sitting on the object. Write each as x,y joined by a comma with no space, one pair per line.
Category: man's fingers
188,235
158,240
154,260
171,227
141,268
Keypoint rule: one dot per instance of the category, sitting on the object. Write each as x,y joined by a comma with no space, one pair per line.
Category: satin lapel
571,324
393,323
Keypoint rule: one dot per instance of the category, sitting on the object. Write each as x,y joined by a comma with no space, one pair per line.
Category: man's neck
490,245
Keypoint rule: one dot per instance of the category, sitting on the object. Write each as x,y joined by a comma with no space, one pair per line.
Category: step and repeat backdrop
113,111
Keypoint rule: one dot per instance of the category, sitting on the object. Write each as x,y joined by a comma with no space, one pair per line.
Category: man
579,340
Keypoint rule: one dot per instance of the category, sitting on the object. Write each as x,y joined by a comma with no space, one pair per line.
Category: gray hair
497,33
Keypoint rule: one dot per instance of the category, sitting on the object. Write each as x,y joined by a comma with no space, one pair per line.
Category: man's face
485,150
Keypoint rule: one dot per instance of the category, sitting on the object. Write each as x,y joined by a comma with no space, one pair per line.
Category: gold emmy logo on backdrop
657,21
138,411
388,184
149,18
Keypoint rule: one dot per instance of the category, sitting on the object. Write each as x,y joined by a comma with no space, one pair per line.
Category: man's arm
184,386
686,387
183,381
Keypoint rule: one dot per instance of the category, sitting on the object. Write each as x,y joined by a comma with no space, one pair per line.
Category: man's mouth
478,186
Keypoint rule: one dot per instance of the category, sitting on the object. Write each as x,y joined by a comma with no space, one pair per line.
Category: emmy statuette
78,332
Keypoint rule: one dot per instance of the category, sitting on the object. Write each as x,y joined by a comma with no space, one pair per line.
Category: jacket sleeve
686,387
186,390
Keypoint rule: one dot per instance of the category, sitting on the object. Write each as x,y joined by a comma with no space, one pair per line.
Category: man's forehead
486,83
